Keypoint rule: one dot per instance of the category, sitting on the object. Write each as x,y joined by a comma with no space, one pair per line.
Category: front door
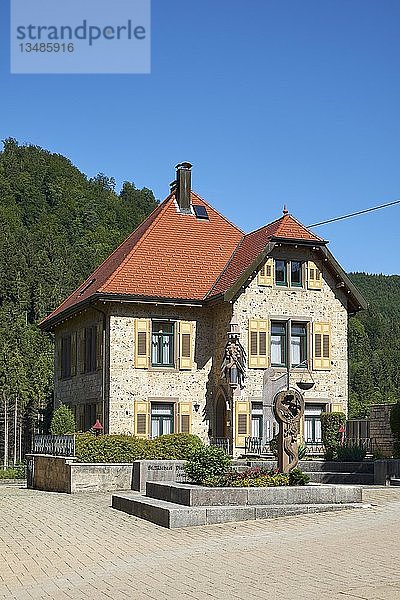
220,417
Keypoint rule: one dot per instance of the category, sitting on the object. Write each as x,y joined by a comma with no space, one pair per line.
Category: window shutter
258,344
185,417
266,273
142,343
142,418
73,353
58,357
81,349
185,345
314,276
242,423
99,346
337,408
322,346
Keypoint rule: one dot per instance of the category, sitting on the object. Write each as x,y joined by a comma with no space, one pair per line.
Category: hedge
331,436
126,448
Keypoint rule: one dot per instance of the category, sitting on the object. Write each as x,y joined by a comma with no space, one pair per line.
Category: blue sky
273,101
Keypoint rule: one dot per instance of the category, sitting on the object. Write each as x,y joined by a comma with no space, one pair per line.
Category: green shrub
176,446
63,421
297,477
205,462
16,472
253,477
352,453
331,437
302,451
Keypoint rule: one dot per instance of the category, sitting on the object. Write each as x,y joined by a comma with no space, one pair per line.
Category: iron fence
55,445
221,443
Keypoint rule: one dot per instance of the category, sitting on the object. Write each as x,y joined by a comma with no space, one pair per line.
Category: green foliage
297,477
374,373
16,472
126,448
331,437
253,477
176,445
302,451
57,226
63,421
395,420
205,462
350,453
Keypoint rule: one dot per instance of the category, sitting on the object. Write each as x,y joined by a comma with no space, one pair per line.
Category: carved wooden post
288,409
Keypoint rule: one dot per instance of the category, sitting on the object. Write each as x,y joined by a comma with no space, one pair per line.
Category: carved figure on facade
233,368
288,410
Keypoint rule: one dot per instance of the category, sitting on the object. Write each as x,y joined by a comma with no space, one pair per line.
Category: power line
360,212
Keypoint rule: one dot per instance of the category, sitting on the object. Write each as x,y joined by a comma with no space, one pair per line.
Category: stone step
365,466
394,481
170,515
197,495
342,478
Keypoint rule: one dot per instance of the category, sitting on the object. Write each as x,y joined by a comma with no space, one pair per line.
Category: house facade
193,326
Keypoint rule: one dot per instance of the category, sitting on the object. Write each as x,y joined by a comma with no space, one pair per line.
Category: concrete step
394,481
341,478
170,515
314,466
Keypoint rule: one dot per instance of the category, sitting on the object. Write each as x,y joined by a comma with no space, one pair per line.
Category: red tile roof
177,256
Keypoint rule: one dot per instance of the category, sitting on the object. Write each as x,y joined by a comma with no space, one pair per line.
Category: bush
62,422
352,453
127,448
178,446
297,477
331,437
207,462
16,472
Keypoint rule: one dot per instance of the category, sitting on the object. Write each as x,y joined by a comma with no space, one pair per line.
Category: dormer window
289,273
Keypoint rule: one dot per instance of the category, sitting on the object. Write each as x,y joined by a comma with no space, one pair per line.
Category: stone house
192,325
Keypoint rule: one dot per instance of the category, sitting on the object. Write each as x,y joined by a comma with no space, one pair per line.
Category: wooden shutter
258,350
185,417
99,346
185,345
58,357
81,349
142,419
73,353
321,346
266,273
142,343
242,422
314,276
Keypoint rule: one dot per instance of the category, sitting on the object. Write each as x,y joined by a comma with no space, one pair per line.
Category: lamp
196,407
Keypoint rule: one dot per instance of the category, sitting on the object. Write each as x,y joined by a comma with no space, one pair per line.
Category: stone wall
380,432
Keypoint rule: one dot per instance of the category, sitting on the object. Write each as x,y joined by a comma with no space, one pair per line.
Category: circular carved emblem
288,406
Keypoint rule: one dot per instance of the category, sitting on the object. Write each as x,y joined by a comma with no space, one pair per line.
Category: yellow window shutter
185,417
185,345
337,408
266,273
258,350
73,353
314,276
99,346
321,346
142,343
242,422
142,419
81,350
58,350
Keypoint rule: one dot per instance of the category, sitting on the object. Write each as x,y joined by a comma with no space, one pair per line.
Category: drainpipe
103,370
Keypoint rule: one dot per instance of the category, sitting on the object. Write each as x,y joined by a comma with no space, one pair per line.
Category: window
162,344
66,357
289,273
162,419
256,420
312,423
288,334
90,348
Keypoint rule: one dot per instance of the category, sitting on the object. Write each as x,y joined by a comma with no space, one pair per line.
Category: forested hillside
56,227
374,343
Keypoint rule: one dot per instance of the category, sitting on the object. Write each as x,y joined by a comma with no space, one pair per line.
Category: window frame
173,346
286,345
66,356
90,349
288,272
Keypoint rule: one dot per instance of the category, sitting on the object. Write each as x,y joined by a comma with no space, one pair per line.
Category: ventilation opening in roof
200,212
86,286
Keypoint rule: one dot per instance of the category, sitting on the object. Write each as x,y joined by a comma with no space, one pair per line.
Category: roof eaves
358,300
232,291
298,241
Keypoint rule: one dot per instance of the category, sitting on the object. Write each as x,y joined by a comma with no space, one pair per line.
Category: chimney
183,187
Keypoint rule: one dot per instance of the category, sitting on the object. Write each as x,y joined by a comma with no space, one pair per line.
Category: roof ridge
139,242
303,226
218,213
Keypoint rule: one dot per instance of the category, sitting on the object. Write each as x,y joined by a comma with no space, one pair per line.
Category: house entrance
220,417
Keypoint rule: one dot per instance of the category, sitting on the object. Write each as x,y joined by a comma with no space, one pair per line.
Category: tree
63,421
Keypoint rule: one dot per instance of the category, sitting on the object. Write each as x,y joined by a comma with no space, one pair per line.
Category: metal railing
255,445
221,443
55,445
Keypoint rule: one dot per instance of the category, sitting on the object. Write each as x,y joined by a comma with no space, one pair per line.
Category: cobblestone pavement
61,547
